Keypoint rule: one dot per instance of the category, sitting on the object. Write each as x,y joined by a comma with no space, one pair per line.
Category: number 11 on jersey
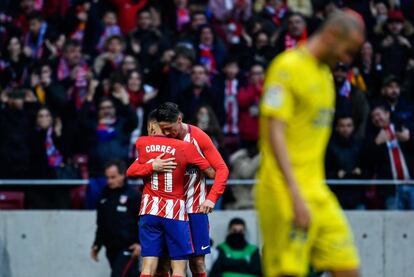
168,181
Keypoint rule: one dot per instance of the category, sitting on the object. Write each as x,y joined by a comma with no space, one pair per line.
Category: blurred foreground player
164,220
117,223
199,202
300,218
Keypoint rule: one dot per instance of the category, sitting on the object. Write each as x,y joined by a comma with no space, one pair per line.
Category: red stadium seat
11,200
77,197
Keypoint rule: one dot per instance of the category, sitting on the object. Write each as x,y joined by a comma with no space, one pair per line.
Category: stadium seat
11,200
77,197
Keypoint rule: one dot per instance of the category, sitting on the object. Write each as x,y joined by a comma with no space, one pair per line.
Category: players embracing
198,200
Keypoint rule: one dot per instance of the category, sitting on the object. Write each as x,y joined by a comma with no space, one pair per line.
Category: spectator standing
14,71
402,110
73,72
343,161
16,114
275,11
46,160
48,92
20,19
296,33
108,129
261,51
111,59
248,99
35,38
369,67
189,34
127,11
226,88
228,19
390,154
206,120
146,40
379,16
350,100
237,257
211,51
231,10
110,28
117,223
396,48
140,96
179,73
197,94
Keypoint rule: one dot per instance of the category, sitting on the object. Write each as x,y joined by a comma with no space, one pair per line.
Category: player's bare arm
301,212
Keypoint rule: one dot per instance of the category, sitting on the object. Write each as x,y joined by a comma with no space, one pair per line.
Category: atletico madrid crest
123,199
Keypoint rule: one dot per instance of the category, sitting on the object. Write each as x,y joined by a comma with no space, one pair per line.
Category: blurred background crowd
78,77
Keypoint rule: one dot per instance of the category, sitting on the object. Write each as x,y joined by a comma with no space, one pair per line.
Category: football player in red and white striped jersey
163,212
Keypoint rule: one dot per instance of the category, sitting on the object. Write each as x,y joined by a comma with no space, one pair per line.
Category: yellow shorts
327,245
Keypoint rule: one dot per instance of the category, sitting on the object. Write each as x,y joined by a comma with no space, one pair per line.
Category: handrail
232,182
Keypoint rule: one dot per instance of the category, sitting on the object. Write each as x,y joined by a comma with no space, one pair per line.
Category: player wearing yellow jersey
301,220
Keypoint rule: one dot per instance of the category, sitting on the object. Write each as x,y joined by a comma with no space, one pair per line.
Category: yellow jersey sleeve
278,99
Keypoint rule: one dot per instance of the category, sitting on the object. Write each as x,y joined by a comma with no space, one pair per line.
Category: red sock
200,274
177,276
145,275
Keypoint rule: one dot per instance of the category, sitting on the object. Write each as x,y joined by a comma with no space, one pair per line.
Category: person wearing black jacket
117,223
343,161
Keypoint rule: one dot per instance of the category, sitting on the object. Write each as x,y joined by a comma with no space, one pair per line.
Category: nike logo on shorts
204,247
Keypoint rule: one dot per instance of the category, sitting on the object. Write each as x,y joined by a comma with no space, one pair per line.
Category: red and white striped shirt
231,126
163,207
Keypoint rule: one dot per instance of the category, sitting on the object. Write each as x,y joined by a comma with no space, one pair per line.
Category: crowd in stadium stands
78,77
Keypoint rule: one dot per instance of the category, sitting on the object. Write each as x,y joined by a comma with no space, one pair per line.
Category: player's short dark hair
119,164
167,112
237,221
152,116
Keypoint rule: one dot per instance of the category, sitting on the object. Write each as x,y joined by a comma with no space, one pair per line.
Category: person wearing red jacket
248,99
127,13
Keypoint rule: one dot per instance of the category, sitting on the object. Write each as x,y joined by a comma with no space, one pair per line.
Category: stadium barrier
57,243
